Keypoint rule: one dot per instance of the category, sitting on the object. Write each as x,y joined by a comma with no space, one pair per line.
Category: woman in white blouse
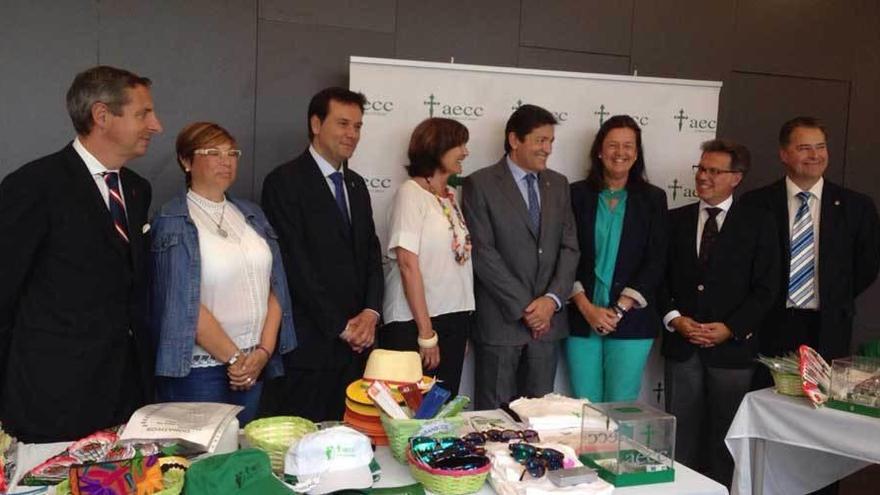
429,293
221,311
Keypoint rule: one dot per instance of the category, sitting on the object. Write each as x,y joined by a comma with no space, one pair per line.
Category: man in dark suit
322,213
75,352
833,236
721,279
525,256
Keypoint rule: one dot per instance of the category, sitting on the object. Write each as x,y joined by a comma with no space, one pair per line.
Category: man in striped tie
829,237
75,355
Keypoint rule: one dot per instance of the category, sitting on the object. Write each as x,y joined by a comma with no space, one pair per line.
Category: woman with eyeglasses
621,225
221,311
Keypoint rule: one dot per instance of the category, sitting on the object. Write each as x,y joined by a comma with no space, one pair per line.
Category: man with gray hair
75,354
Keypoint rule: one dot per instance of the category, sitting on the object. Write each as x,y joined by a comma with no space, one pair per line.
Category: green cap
243,472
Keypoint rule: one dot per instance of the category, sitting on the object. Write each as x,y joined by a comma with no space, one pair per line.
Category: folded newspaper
197,424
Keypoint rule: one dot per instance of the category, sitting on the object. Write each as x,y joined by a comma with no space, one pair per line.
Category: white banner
675,115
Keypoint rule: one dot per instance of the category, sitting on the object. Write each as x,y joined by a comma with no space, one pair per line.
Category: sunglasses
481,437
448,453
536,461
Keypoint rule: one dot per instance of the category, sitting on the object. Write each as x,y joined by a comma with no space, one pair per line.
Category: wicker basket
399,431
788,383
276,434
447,482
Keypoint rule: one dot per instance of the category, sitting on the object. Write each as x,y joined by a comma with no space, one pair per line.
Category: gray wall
252,66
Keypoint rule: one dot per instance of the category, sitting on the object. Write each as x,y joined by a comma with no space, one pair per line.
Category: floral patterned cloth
138,476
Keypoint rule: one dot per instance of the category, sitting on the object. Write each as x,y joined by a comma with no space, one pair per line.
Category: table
782,444
687,481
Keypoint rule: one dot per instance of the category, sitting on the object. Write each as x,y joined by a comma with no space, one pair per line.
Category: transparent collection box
855,385
628,443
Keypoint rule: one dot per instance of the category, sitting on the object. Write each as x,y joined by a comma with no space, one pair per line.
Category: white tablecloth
783,445
687,481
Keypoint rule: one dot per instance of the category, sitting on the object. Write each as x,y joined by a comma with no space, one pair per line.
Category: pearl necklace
219,224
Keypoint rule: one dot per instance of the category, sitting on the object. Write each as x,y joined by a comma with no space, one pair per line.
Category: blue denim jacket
175,286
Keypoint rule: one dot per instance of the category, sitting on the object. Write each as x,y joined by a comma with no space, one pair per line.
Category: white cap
325,461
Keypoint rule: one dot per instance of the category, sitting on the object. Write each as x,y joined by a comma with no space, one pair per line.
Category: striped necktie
116,205
802,268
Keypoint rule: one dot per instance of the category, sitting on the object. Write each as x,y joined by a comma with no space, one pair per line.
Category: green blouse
609,226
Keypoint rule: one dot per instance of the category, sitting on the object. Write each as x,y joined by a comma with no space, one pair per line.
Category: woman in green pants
621,225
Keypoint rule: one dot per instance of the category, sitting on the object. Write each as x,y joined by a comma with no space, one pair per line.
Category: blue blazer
737,288
641,257
175,286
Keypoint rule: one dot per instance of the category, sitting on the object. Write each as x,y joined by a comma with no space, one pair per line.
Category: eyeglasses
536,461
481,437
448,453
713,172
217,153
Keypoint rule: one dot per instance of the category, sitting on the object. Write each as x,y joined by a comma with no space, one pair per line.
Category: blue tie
116,205
336,177
802,267
534,206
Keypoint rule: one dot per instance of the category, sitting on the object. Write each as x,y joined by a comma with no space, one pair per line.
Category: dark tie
116,205
534,206
710,235
336,177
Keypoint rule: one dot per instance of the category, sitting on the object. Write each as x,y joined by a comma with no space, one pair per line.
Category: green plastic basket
275,435
447,482
788,383
399,431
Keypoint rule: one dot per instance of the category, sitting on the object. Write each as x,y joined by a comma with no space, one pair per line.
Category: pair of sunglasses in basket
536,461
448,453
481,437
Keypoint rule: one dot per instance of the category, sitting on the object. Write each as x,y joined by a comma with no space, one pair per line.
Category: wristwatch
233,359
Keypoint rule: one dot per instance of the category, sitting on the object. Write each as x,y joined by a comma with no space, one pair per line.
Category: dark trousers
704,401
505,372
315,394
452,329
799,326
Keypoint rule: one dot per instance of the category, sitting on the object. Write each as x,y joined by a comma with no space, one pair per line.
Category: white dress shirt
815,203
326,171
701,223
97,170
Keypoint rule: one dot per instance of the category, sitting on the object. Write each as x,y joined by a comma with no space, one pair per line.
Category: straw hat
393,366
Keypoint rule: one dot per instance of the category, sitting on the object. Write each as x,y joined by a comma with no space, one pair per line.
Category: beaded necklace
461,251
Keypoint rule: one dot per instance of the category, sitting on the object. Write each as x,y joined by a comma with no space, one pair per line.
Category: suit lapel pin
145,228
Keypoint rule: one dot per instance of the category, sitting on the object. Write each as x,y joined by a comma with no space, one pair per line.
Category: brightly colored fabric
609,226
